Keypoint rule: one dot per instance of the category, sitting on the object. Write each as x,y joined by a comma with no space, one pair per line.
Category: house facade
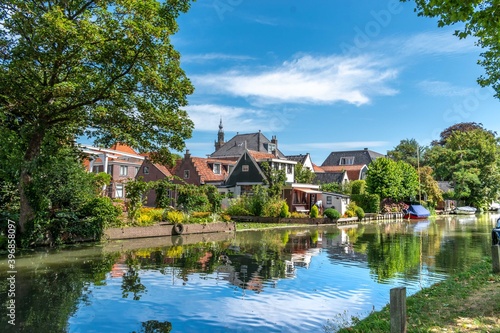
150,172
120,161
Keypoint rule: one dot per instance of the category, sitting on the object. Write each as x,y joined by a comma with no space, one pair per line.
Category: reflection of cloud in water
421,225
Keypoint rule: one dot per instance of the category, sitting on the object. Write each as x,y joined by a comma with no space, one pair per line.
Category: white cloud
206,117
307,80
333,146
443,88
190,58
434,43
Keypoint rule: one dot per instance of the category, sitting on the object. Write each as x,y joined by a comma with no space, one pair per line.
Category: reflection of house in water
243,276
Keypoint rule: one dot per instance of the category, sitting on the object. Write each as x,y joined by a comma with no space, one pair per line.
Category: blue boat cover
418,210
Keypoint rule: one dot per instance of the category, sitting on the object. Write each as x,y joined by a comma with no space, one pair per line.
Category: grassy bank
465,302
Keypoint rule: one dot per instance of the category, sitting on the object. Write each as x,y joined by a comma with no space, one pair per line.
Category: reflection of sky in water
209,303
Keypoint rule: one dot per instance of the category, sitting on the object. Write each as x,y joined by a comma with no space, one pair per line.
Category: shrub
314,212
200,214
149,216
369,202
332,213
238,207
298,215
175,216
285,211
273,208
360,213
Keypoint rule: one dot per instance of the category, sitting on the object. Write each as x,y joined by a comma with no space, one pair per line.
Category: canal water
300,279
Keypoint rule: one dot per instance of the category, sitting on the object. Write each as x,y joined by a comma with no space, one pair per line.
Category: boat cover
418,211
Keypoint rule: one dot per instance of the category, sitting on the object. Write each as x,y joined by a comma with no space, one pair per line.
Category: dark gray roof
238,145
297,158
329,177
361,157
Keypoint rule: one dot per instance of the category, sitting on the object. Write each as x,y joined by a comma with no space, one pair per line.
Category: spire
220,136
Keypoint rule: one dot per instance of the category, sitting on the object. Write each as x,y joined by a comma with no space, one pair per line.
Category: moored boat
416,212
464,210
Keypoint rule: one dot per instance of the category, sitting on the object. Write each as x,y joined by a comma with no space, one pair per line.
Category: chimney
187,155
275,141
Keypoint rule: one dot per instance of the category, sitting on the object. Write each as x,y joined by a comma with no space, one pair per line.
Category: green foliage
274,179
100,180
258,200
149,216
336,188
98,214
163,188
429,186
390,179
332,213
408,151
369,202
470,160
75,68
285,210
303,175
274,207
174,216
238,207
136,195
314,213
360,213
358,186
298,215
192,198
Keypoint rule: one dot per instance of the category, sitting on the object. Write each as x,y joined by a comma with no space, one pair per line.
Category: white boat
465,210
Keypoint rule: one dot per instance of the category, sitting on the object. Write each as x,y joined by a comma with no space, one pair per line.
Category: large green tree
303,175
104,68
390,179
409,151
470,160
481,20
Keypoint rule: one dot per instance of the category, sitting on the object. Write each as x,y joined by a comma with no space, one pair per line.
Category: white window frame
245,168
123,170
145,170
118,190
217,168
349,160
186,174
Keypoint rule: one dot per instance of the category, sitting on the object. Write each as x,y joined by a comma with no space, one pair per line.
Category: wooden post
495,256
398,310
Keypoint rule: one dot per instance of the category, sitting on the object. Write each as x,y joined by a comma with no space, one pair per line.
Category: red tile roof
261,156
123,148
317,169
163,169
205,172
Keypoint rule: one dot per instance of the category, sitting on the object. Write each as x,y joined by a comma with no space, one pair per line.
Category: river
297,279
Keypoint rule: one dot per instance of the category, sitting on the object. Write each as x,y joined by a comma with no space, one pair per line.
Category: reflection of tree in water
131,282
155,326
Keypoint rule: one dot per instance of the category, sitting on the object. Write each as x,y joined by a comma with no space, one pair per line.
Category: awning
307,190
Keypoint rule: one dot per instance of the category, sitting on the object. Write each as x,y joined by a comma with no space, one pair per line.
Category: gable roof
123,148
163,169
238,144
298,158
353,171
253,174
330,177
204,167
361,157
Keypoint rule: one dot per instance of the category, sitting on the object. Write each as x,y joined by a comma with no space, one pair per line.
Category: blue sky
326,76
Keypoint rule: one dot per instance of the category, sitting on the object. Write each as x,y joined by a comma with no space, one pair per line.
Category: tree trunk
32,152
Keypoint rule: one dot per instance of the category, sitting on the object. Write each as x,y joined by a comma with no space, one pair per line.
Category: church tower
220,137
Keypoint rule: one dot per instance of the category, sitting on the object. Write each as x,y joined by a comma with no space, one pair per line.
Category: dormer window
271,147
217,169
347,160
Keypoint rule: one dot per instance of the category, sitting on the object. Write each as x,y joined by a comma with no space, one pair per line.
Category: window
110,169
289,168
145,170
244,168
328,199
347,160
95,169
217,168
276,166
271,147
230,168
186,174
123,170
136,171
119,191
